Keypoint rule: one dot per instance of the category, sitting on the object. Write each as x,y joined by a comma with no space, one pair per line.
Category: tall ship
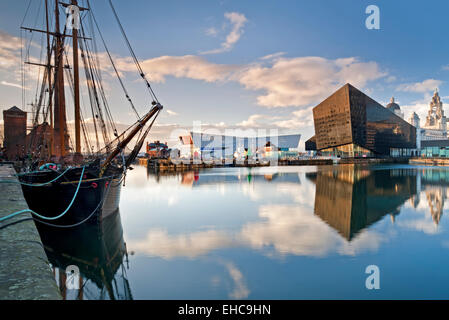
70,177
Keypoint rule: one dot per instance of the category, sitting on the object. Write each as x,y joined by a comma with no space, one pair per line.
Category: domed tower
395,108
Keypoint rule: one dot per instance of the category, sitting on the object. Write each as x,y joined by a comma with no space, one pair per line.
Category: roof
393,106
14,110
203,140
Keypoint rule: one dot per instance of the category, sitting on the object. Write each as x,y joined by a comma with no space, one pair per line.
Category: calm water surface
287,233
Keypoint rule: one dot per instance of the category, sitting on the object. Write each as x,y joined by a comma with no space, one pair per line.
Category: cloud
272,56
9,84
390,79
171,112
283,82
297,119
237,21
305,80
189,66
255,121
424,86
9,51
297,82
212,32
419,106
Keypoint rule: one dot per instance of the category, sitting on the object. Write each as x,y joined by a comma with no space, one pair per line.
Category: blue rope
48,218
83,221
41,168
37,185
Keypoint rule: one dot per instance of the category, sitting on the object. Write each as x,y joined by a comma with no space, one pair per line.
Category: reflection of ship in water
435,199
97,250
350,199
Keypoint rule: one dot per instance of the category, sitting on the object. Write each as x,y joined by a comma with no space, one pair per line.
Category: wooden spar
52,33
76,80
131,135
50,89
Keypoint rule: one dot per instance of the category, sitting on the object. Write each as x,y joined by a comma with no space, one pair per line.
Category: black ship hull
96,198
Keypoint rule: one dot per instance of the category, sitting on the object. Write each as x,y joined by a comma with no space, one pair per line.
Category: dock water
25,273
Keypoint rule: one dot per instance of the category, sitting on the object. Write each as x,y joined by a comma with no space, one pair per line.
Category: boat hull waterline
96,199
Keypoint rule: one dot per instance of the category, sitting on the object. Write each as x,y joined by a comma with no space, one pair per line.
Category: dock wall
25,273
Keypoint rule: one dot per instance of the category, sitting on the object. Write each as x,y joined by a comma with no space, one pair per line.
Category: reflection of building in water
349,199
198,178
435,183
435,199
245,177
97,250
414,200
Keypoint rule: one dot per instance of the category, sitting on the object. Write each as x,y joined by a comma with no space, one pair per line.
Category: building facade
351,124
15,121
202,145
435,127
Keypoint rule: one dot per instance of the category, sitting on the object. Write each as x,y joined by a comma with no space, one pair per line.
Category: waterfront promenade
25,273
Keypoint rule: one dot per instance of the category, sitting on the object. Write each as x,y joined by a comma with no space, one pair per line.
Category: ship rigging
95,169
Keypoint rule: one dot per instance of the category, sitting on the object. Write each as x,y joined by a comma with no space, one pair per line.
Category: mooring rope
48,218
100,203
37,184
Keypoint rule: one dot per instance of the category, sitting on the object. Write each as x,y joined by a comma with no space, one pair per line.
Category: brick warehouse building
351,124
15,121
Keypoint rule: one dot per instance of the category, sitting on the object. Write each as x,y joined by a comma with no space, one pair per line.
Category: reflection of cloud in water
365,241
240,290
294,230
290,230
445,244
299,194
285,229
160,244
425,225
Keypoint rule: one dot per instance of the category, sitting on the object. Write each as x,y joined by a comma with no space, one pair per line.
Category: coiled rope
48,218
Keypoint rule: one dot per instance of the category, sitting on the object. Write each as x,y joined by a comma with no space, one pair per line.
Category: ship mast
60,125
50,87
76,80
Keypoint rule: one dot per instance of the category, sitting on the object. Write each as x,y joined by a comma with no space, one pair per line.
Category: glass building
351,124
226,147
434,149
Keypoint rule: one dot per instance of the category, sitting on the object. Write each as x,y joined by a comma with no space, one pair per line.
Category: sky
249,64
